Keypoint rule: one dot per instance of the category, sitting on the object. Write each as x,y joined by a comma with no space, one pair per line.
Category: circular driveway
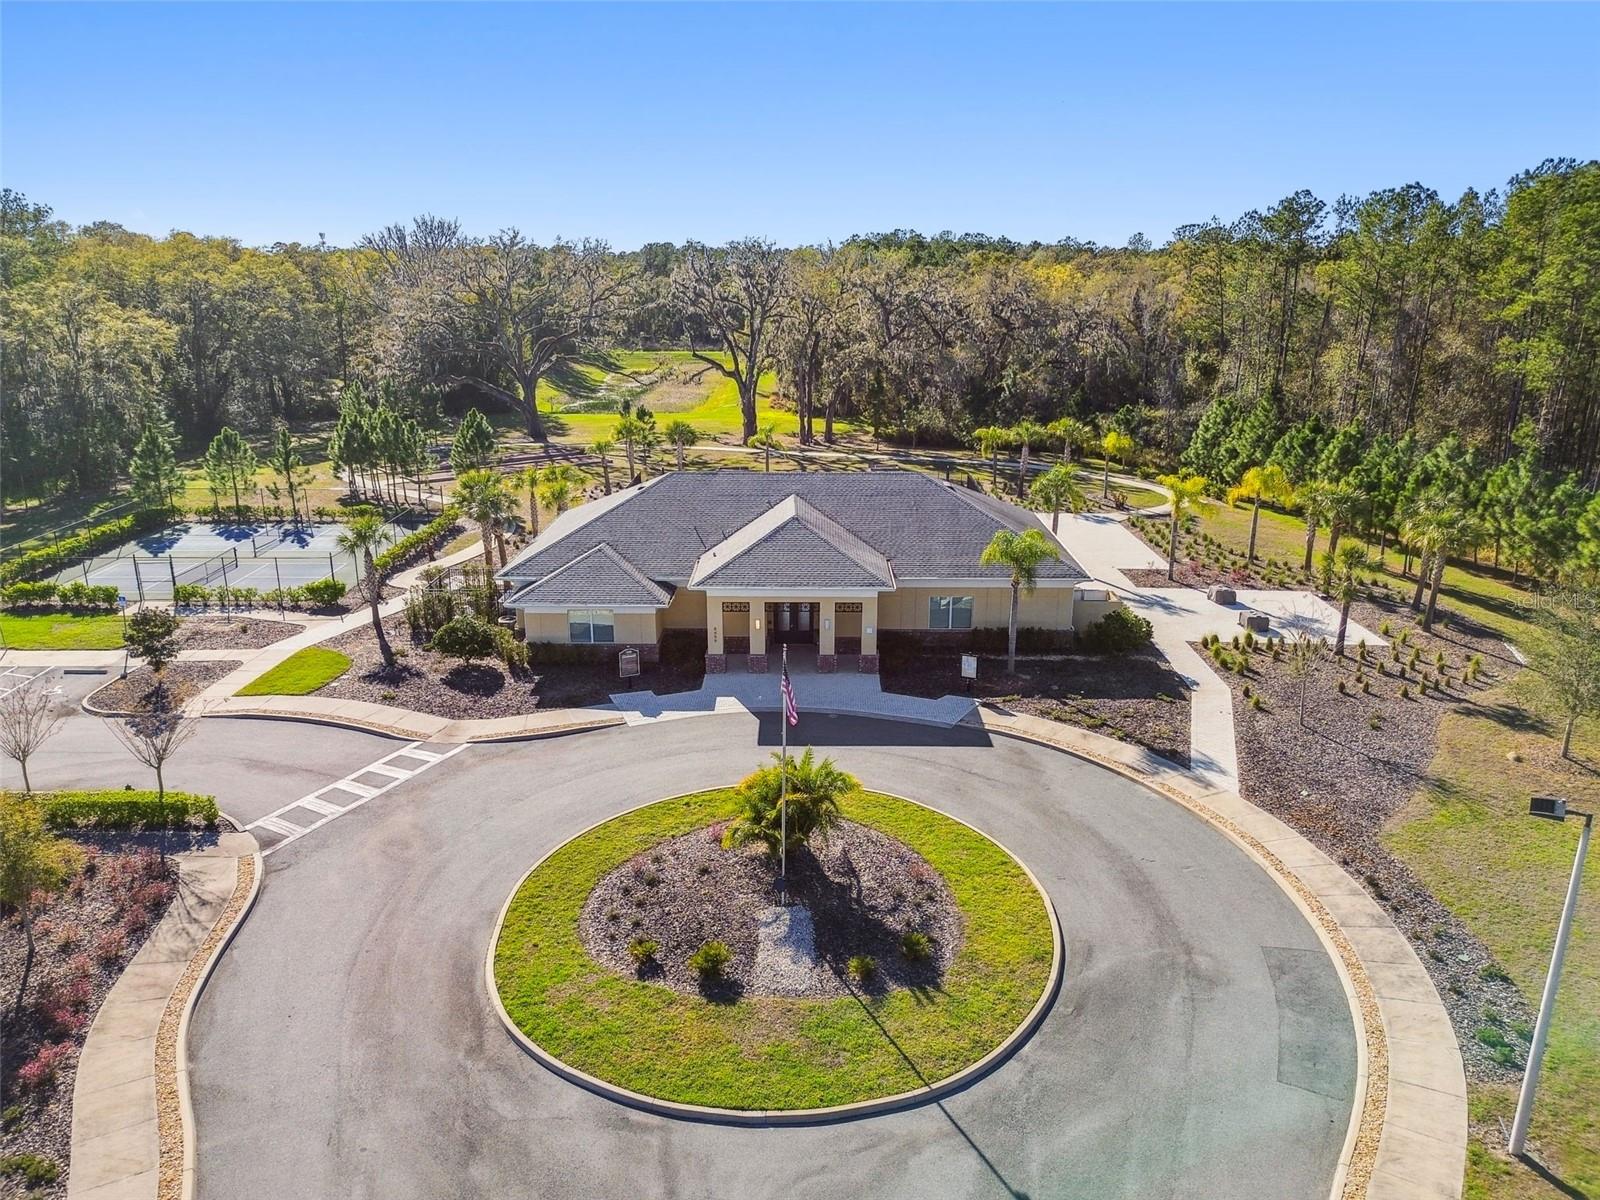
1200,1046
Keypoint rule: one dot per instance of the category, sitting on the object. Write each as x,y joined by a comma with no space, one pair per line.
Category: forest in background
1397,319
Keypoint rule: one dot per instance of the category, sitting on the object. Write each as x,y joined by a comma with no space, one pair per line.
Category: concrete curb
118,1132
786,1117
1408,1131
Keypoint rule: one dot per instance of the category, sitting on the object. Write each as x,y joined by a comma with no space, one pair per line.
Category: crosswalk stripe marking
379,768
314,802
360,789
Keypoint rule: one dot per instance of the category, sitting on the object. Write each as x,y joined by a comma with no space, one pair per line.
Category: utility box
1221,593
1255,622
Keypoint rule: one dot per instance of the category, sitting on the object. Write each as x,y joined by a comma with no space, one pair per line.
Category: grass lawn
61,631
767,1052
1469,837
301,673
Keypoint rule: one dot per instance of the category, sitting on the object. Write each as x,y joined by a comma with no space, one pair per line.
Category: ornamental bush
464,637
126,809
87,595
711,960
28,595
325,593
1120,631
916,946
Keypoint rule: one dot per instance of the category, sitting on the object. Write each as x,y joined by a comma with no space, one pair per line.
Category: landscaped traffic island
652,953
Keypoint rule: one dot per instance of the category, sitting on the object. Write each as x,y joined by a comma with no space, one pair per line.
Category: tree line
1396,319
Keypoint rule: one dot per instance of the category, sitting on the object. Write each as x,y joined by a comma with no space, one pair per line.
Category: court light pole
1551,808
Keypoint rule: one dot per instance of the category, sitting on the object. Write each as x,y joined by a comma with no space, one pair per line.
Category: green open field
1468,837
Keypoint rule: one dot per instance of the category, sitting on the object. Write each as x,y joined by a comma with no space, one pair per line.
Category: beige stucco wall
1087,612
687,611
631,628
1045,608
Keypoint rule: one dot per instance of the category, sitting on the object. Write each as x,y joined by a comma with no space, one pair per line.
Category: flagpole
783,794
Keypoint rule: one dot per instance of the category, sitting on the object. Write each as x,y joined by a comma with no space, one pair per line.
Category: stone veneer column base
716,664
827,664
758,664
868,664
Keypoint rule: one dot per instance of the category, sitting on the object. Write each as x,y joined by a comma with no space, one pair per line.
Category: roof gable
599,576
792,544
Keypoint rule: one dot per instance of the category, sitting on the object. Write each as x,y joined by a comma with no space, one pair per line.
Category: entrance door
793,623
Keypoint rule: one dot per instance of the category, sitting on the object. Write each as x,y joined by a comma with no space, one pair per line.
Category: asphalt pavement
1200,1046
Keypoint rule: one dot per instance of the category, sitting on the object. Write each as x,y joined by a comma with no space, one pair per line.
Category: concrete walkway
116,1127
1105,548
1410,1137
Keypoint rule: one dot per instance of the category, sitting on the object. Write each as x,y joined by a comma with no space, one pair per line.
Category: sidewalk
1410,1139
124,1103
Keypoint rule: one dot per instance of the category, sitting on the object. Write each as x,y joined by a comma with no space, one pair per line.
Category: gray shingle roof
792,545
599,576
925,528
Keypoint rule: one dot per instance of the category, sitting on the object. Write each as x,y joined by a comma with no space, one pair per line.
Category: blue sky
804,123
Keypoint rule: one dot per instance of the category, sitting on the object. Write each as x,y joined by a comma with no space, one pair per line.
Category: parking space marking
13,678
318,801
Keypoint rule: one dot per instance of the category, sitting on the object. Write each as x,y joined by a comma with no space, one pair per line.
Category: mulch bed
864,890
233,632
84,937
1357,760
1138,698
427,682
180,683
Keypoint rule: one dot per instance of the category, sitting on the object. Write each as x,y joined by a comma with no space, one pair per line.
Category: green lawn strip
769,1052
301,673
61,631
1470,840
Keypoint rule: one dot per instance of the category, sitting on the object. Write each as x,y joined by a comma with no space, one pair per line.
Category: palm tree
814,790
484,497
602,447
560,482
1021,554
364,535
1026,435
682,435
767,441
1322,503
1186,492
1344,569
1117,445
990,440
1268,483
1073,433
528,480
1436,527
1056,489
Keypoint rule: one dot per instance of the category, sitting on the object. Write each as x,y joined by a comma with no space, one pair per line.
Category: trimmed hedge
45,593
108,809
413,544
1120,631
47,560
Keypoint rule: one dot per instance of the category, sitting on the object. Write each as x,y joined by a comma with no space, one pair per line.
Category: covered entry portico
755,623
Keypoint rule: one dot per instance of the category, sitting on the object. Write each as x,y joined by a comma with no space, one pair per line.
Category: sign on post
969,669
628,664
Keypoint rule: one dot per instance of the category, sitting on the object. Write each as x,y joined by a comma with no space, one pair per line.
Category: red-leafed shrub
40,1071
110,945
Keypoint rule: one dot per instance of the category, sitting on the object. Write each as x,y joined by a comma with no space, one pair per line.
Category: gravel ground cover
733,1049
862,888
180,683
84,937
1136,698
427,682
1360,756
233,632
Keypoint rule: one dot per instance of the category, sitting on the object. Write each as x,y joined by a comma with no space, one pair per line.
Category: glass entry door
793,622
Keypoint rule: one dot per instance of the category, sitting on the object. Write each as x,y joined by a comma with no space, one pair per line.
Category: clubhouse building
823,562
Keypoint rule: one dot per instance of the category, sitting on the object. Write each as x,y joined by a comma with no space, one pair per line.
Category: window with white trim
949,612
591,625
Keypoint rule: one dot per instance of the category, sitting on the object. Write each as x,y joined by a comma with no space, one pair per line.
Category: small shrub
1405,691
651,877
1245,691
34,1170
1255,703
1493,973
1120,631
1374,720
711,960
916,946
464,637
325,593
1343,691
1384,628
861,967
40,1071
643,950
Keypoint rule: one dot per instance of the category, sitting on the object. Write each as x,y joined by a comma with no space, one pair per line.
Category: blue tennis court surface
262,556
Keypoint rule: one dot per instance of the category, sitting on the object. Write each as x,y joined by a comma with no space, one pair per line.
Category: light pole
1552,808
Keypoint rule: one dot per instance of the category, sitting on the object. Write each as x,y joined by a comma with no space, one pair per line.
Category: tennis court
262,556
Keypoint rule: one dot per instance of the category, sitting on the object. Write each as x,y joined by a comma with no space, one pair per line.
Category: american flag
791,711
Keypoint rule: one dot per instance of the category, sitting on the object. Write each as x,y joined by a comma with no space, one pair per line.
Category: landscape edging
831,1114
